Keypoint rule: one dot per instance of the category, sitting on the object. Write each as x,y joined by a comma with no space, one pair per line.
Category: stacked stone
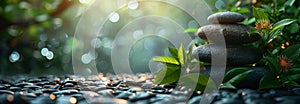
235,34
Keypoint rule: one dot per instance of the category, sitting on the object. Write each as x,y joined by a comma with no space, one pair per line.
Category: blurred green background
37,35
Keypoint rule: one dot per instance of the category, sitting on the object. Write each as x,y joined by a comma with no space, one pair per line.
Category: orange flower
263,25
284,64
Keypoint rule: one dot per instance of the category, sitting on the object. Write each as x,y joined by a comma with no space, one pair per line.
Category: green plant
270,34
281,60
233,77
178,65
181,62
284,70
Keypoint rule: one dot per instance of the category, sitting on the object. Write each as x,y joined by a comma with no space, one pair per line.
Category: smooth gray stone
45,99
225,18
296,91
195,100
233,33
6,92
124,95
236,55
259,101
293,99
141,96
229,101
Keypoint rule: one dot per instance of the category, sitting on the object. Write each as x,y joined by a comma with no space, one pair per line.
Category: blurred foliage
28,26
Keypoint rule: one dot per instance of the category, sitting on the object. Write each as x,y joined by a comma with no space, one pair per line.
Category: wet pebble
124,95
141,96
6,92
229,101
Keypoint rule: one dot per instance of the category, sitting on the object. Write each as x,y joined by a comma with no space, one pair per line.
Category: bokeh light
14,57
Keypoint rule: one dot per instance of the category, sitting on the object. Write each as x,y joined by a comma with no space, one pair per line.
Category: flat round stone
225,18
233,33
236,55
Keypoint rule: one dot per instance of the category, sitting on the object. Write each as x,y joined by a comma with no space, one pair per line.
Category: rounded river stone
233,33
236,55
225,18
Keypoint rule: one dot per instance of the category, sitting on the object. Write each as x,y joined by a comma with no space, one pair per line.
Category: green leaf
198,82
274,35
227,86
292,52
181,55
267,7
248,21
293,71
238,78
259,14
281,24
293,28
243,10
165,59
233,72
168,74
268,82
291,83
293,77
273,64
191,30
289,2
174,52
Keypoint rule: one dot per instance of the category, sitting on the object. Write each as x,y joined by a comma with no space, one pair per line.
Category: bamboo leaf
168,74
281,24
238,78
233,72
181,55
165,59
191,30
174,52
227,86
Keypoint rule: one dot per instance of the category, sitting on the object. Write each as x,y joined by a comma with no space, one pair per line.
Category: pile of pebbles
226,24
100,89
112,89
